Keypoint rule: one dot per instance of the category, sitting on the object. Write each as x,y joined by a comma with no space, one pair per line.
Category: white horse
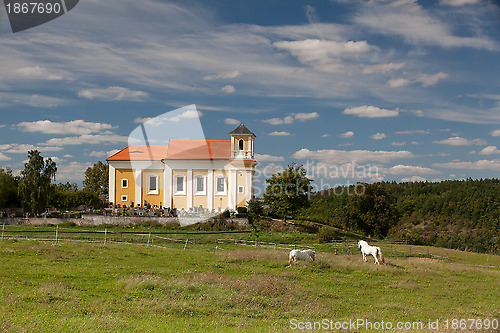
368,249
300,255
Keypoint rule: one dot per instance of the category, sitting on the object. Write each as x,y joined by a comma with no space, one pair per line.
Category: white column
210,189
167,196
138,187
249,185
189,190
232,189
112,185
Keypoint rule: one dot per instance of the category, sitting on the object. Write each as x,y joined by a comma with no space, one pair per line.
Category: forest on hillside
461,214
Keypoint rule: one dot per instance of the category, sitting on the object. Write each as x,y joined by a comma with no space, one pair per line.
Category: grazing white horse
300,255
368,249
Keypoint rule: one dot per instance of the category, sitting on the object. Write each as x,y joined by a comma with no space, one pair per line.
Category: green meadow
92,287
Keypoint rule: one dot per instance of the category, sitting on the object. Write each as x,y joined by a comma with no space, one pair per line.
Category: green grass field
82,287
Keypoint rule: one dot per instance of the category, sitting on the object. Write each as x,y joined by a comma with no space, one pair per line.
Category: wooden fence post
57,232
149,238
3,229
187,240
105,235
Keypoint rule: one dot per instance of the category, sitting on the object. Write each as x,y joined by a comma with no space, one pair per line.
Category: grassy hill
454,214
82,287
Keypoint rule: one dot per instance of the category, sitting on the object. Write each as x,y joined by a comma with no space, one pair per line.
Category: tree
8,189
288,191
372,212
97,179
35,181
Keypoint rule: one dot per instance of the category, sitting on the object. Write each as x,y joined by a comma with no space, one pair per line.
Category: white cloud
17,148
223,75
142,120
408,170
103,153
383,68
74,171
413,179
370,112
406,18
229,89
4,157
398,144
397,83
495,133
231,121
37,72
302,116
68,156
113,94
346,135
458,2
70,127
320,53
87,139
326,135
378,136
283,133
431,79
478,165
413,132
268,158
342,156
459,141
490,150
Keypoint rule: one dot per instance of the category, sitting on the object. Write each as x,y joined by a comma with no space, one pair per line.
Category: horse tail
380,256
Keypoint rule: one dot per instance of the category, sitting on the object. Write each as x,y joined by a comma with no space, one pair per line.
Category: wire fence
214,241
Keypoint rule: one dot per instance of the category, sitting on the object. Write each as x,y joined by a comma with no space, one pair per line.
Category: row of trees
34,191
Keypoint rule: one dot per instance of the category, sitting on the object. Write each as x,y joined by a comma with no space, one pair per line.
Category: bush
327,234
242,210
226,214
54,213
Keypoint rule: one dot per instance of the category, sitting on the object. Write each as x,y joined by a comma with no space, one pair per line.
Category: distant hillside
456,214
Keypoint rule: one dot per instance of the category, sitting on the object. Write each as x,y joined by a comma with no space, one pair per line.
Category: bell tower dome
242,143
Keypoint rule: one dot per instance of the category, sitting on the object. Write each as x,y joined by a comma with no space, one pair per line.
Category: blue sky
410,88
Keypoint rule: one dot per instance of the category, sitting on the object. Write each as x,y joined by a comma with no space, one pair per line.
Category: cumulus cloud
342,156
413,132
231,121
398,144
370,112
326,135
458,3
348,134
142,120
301,116
459,141
229,89
21,148
378,136
113,94
431,79
410,170
397,83
102,153
413,179
70,127
268,158
495,133
37,72
282,133
383,68
4,157
87,139
478,165
490,150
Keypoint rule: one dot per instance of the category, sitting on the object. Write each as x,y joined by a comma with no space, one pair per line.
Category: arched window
240,144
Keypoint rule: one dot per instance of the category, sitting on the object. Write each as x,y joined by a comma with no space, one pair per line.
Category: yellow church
212,175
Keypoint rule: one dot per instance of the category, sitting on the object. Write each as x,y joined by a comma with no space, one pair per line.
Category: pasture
82,287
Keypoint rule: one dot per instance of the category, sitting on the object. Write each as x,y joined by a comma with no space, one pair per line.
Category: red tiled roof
176,150
140,153
199,150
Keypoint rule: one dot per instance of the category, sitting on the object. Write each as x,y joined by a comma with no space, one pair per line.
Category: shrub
242,210
327,234
54,213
